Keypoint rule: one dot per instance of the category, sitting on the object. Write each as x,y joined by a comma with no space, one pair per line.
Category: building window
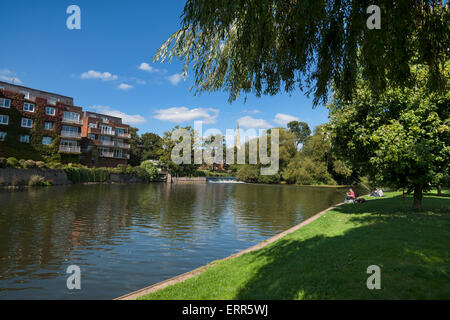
26,94
68,143
2,136
71,115
119,131
93,125
50,111
25,139
91,136
27,123
106,129
4,119
5,103
53,101
48,125
28,107
47,141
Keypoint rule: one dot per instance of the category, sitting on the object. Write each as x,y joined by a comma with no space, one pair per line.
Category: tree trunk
439,190
417,206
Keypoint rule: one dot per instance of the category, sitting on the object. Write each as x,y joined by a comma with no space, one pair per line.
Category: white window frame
26,94
52,108
27,105
27,140
7,119
45,144
3,103
26,126
3,135
45,125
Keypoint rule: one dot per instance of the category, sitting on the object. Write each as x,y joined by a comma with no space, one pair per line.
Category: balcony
124,136
122,156
69,149
106,143
72,121
94,130
122,145
70,135
105,154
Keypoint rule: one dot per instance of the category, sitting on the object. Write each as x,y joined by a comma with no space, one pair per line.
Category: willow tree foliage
400,138
266,46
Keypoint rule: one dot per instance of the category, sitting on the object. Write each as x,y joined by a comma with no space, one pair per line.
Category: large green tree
300,129
266,46
400,138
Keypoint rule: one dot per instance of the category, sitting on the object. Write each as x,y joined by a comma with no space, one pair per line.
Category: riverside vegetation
77,173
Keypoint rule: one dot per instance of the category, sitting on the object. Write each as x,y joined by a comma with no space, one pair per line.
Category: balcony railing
105,154
124,136
123,145
122,156
69,134
69,149
106,143
72,121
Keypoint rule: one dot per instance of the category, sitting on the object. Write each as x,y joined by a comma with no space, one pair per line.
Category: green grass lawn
328,258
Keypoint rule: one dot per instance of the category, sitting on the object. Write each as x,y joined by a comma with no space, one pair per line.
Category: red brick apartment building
30,116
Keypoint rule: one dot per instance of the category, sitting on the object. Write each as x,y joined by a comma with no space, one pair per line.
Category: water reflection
125,237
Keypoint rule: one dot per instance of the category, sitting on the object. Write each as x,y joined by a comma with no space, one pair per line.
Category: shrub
29,164
36,181
3,162
22,163
55,165
153,173
142,174
12,163
82,175
121,168
269,179
40,164
248,173
129,169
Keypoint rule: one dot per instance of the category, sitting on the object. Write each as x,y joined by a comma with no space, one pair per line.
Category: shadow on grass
412,250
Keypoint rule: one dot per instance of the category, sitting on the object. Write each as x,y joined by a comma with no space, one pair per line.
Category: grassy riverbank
328,258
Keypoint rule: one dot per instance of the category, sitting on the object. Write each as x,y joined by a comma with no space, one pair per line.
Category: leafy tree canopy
400,138
265,46
301,130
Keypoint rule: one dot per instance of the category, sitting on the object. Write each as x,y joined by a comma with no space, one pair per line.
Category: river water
126,237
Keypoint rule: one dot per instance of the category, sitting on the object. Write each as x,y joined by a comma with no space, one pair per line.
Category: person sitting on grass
377,193
350,196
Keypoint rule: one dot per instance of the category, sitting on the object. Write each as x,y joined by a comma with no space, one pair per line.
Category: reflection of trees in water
273,208
38,227
183,211
41,227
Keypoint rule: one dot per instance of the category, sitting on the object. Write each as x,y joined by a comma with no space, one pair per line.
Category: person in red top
350,195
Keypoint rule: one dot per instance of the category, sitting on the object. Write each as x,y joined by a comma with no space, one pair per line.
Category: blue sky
107,66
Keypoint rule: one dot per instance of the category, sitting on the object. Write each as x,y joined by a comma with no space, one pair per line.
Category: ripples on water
125,237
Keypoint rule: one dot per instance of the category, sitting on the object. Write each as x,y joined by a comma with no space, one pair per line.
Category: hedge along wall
35,150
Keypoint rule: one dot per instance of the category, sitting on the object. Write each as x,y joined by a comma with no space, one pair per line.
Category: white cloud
8,75
146,67
252,123
176,78
283,119
182,114
124,86
126,118
105,76
255,111
140,81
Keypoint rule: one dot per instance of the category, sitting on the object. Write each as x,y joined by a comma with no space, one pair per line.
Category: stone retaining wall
15,177
189,180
